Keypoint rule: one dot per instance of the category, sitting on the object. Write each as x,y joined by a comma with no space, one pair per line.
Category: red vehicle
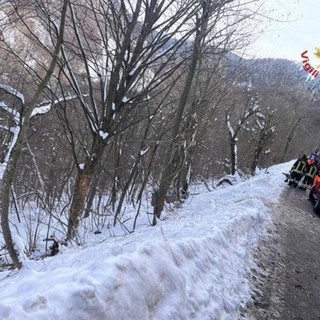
314,195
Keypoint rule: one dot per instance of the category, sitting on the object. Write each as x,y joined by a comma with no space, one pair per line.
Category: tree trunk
233,156
169,171
255,161
258,152
188,155
82,185
160,195
11,168
289,138
91,196
5,203
77,206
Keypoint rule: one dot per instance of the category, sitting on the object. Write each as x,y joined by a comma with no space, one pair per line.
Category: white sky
289,39
195,264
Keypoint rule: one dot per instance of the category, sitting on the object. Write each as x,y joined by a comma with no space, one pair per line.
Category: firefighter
310,170
296,172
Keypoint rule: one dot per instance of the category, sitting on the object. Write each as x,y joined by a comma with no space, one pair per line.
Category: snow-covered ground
195,264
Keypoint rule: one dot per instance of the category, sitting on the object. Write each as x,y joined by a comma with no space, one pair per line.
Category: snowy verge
192,265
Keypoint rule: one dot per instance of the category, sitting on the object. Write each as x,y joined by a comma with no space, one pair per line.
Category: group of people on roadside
305,172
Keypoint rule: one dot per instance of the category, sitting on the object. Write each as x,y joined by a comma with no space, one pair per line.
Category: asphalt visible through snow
287,278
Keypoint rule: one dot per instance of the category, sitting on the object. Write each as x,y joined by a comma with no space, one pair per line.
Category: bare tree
12,161
262,136
250,108
213,34
121,66
298,116
208,10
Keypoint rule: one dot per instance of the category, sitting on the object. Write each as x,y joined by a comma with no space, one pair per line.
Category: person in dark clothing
309,171
296,172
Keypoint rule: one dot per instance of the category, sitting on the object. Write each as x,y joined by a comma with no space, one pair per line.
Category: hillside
271,73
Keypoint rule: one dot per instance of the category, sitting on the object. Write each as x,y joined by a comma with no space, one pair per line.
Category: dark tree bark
173,157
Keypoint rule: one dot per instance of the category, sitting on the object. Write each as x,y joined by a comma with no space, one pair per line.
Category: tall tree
123,64
12,161
215,28
249,110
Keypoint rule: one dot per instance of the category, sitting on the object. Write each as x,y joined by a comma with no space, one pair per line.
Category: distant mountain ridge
273,72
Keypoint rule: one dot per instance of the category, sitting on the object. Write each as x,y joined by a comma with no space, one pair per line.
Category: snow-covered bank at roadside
193,265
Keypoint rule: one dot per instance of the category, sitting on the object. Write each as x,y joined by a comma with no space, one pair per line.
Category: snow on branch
229,126
41,110
261,125
260,115
15,131
14,113
103,135
143,152
12,91
46,106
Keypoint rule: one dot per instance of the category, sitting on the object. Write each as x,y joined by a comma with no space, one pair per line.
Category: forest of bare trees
104,102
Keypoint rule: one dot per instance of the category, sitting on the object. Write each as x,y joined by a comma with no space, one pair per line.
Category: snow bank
193,265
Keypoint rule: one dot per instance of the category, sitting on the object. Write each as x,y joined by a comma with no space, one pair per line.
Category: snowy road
288,283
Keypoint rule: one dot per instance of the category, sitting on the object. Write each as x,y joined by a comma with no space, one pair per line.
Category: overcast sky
289,39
